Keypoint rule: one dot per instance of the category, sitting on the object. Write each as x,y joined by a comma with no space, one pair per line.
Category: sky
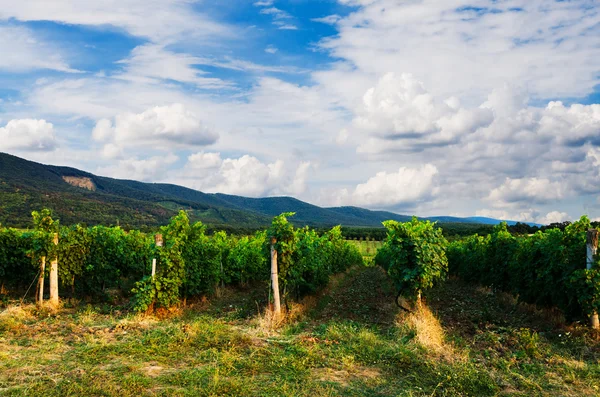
426,107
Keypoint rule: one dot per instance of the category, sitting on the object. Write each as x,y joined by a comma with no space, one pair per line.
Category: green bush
305,259
202,260
547,268
98,260
414,255
15,261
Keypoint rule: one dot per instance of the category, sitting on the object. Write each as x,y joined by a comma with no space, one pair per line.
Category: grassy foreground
349,341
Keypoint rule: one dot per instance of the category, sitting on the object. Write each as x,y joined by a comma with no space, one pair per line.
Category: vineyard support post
275,277
40,297
54,276
592,248
158,240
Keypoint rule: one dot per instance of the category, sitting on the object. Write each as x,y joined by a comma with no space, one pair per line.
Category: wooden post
275,278
592,248
54,277
158,240
40,297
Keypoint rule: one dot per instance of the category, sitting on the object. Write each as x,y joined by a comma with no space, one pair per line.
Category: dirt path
364,295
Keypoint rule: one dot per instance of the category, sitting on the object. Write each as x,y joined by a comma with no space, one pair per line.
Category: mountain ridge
78,196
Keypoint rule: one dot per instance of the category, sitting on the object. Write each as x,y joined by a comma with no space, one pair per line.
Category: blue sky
483,107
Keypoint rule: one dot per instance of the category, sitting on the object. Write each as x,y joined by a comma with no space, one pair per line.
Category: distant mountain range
77,196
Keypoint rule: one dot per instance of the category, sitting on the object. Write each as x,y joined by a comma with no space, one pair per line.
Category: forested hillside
77,196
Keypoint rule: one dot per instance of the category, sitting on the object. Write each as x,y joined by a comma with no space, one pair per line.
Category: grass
350,340
368,249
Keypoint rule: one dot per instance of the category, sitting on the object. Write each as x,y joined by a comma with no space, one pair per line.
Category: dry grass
268,321
344,377
428,330
429,333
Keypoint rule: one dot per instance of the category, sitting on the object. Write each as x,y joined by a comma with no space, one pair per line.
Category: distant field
368,249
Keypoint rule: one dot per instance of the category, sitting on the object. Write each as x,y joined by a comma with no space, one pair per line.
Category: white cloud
22,51
280,18
329,19
285,26
245,175
112,151
149,169
204,161
152,62
276,13
159,20
247,66
554,217
342,137
459,52
399,109
389,190
271,49
103,131
407,186
263,3
572,125
528,215
161,127
27,135
530,190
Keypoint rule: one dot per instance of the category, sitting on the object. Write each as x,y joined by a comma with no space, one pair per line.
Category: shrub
414,256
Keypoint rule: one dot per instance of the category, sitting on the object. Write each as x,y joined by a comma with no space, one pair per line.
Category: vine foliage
414,255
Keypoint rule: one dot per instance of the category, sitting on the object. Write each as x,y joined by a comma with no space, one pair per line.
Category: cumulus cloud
406,186
530,190
399,109
574,125
204,161
404,189
149,169
554,217
28,135
245,175
161,127
529,215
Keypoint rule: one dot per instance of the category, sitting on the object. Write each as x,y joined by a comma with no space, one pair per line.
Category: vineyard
184,312
547,268
104,263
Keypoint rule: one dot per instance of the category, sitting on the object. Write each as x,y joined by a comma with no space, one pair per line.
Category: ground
350,340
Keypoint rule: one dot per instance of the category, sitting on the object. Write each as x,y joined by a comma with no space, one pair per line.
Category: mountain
81,197
78,196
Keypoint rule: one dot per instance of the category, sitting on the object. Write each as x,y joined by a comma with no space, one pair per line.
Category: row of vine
97,261
547,268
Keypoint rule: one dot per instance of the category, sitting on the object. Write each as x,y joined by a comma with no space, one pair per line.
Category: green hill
81,197
26,186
